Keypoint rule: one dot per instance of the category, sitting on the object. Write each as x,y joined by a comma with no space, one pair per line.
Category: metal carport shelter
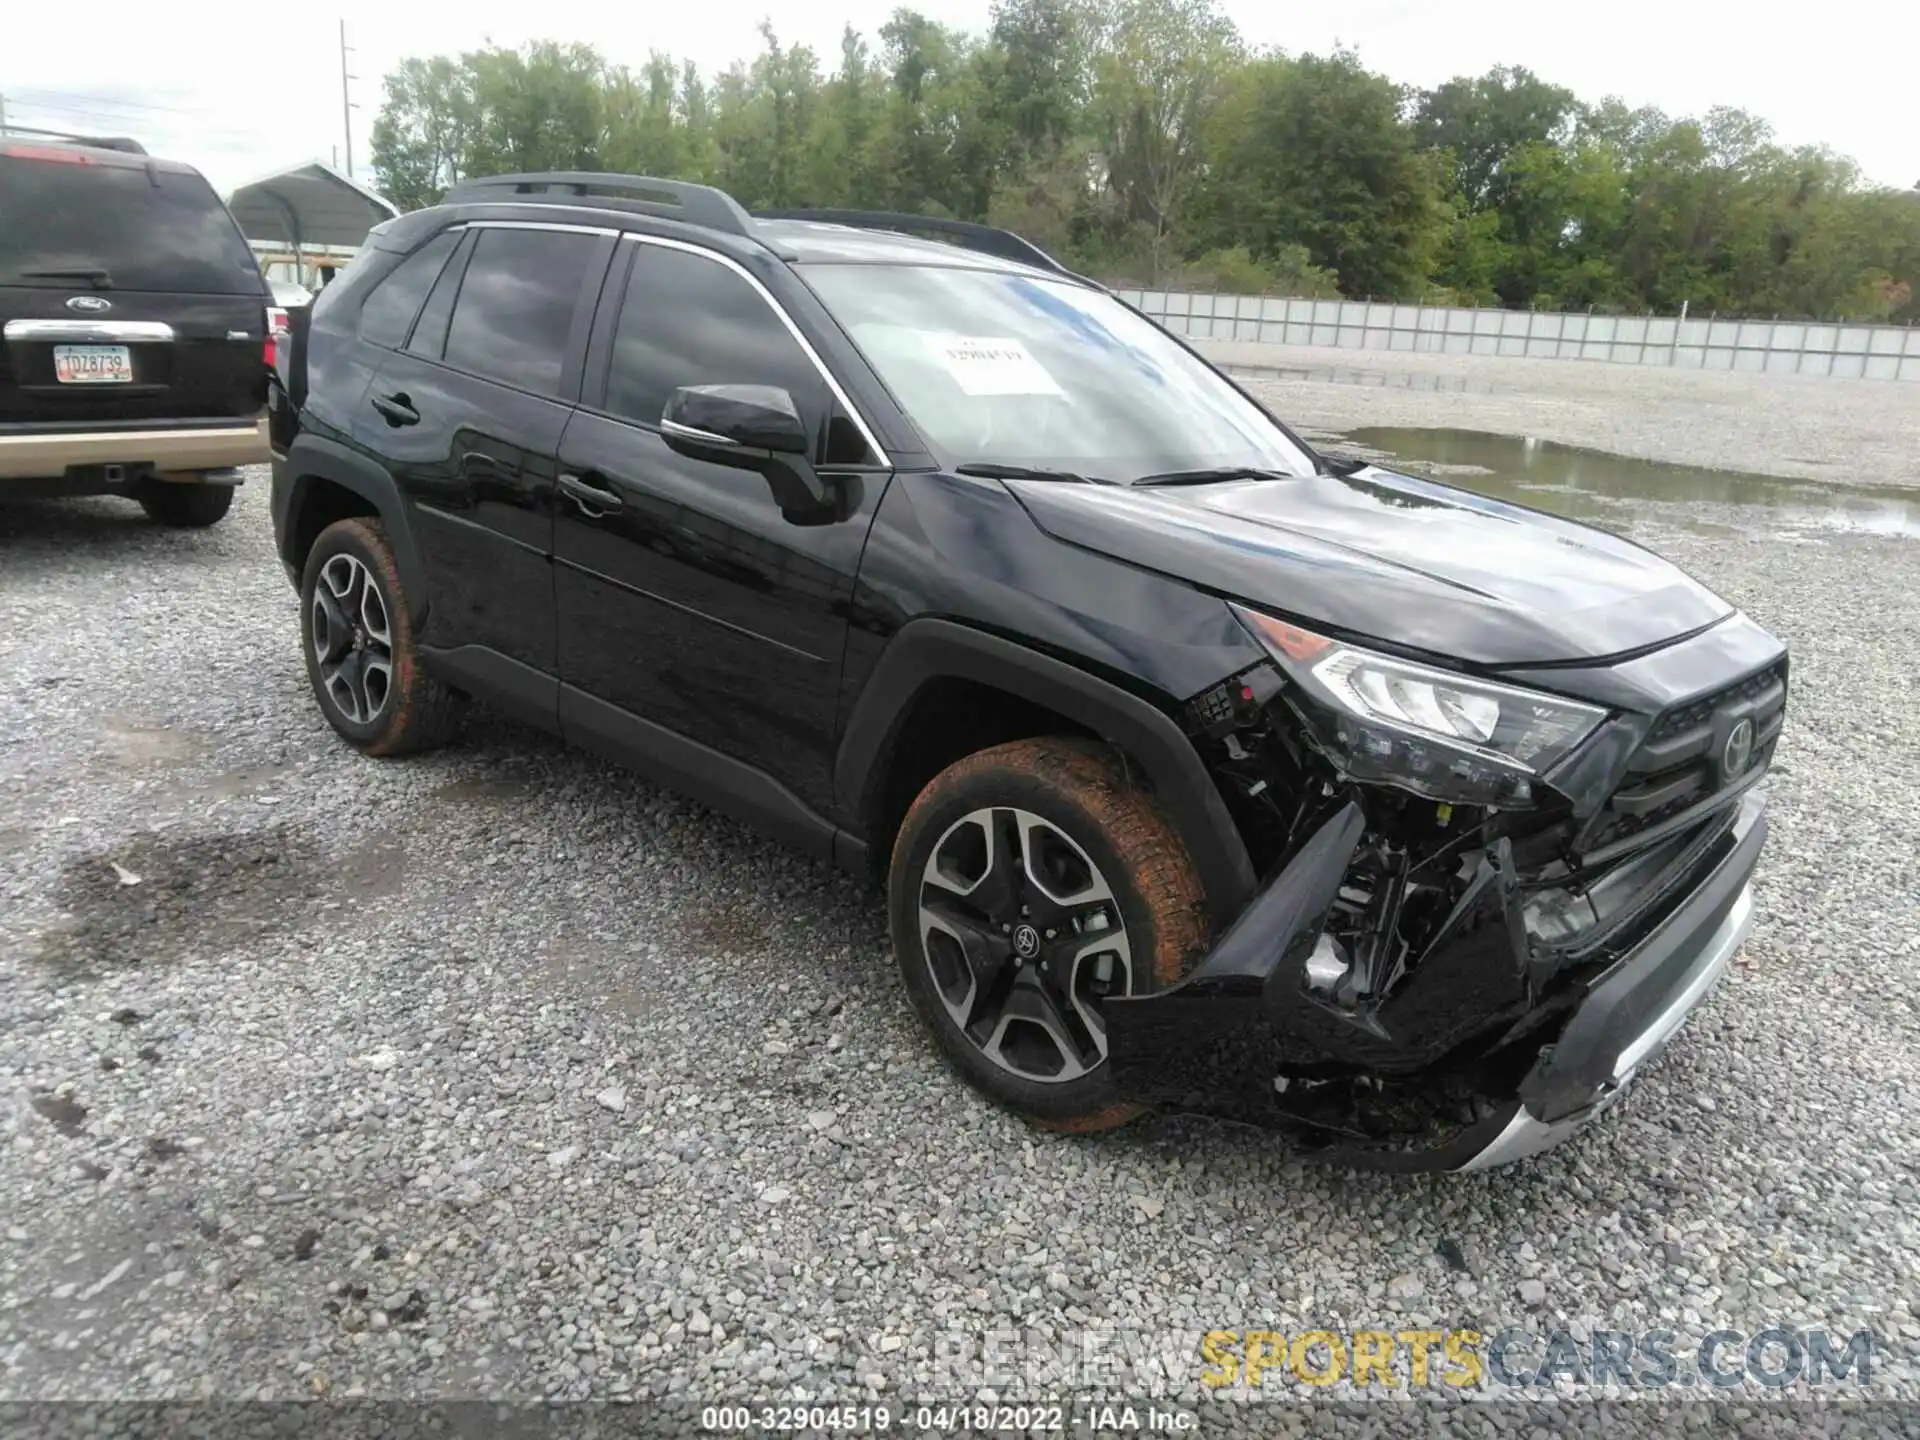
308,210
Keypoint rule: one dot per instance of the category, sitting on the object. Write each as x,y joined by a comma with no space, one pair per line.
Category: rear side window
686,320
80,222
516,305
391,305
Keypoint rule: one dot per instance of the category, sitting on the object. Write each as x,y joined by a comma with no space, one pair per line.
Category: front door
686,597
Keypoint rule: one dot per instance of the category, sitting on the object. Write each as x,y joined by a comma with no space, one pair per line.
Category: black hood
1394,558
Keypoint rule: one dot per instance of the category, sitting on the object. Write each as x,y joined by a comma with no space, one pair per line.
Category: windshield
1011,369
117,226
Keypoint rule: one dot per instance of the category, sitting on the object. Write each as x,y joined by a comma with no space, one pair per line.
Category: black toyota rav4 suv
1203,771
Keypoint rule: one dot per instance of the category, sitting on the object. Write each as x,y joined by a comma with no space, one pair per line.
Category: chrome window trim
530,225
101,331
839,394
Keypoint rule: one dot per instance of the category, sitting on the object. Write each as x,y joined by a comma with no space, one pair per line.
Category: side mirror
713,419
754,427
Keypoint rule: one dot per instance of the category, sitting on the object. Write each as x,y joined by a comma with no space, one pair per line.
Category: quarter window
516,304
391,305
429,336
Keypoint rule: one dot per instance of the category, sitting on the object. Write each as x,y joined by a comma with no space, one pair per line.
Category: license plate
93,364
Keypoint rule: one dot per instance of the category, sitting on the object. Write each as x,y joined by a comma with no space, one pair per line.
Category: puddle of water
1588,484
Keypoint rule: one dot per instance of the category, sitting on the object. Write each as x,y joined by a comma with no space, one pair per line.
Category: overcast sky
240,90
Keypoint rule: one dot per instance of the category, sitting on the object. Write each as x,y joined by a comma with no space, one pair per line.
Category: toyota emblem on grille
92,304
1738,752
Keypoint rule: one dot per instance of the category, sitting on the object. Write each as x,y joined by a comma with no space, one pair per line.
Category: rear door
127,294
467,419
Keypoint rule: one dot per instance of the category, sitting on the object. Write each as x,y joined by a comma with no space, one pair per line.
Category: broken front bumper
1217,1041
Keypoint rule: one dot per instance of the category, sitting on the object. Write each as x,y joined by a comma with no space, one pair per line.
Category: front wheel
1030,884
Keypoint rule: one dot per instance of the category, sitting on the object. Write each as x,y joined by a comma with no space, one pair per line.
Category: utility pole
346,97
3,114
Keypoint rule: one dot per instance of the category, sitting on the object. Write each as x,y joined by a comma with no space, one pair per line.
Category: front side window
515,307
1000,367
687,320
391,305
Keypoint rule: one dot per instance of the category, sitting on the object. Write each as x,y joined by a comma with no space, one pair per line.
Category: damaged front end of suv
1490,897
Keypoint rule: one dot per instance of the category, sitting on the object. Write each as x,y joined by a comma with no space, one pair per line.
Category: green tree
645,130
1164,68
1479,121
424,135
1137,140
1043,83
765,123
944,143
535,109
843,161
1313,152
1559,228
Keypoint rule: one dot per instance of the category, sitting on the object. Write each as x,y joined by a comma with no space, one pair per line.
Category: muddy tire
358,641
1029,883
184,506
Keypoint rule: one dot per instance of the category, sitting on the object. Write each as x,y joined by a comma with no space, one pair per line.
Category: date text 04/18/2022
945,1419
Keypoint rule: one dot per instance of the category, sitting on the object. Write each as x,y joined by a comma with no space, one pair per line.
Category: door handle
478,462
592,500
397,409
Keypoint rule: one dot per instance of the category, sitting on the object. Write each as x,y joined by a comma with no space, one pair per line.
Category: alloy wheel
1024,941
352,639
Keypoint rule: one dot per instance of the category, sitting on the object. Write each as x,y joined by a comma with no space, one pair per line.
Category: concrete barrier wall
1774,347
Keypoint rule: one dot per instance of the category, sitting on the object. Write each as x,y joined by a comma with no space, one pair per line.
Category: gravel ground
499,1073
1865,432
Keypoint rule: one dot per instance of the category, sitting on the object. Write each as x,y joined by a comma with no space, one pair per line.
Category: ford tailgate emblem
92,304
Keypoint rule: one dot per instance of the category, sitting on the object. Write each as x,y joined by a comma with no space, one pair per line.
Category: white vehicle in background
288,294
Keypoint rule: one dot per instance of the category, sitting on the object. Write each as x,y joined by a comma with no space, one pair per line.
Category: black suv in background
135,330
1202,770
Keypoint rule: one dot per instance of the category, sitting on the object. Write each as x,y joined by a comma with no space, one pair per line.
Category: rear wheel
1030,884
185,505
358,637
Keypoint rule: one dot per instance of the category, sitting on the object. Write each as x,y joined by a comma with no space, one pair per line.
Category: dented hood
1389,556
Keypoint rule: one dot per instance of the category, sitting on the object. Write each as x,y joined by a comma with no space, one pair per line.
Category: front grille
1679,764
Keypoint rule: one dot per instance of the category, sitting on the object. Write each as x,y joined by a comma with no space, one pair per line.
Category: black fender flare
926,650
311,458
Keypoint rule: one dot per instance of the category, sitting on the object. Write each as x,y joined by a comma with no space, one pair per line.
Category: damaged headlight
1436,732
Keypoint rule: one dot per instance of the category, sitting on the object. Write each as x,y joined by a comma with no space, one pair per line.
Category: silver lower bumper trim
1526,1135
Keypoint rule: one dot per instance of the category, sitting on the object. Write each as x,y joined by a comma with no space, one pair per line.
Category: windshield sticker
992,365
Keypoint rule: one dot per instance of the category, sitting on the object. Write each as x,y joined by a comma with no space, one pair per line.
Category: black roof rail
983,239
672,199
123,143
